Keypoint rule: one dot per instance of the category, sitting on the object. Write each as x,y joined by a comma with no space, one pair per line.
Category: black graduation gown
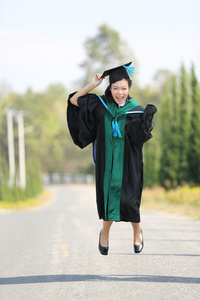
86,125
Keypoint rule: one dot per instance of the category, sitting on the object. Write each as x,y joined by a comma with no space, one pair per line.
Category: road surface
50,253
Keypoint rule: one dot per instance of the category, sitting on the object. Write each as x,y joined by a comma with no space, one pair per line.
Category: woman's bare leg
137,233
105,233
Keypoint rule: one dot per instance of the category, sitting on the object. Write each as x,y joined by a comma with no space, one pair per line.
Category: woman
118,127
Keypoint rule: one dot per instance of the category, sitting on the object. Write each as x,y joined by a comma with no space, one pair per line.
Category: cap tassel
130,70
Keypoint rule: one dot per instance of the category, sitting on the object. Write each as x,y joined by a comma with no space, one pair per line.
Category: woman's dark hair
108,92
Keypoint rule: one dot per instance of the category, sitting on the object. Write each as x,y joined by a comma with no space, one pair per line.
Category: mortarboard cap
118,73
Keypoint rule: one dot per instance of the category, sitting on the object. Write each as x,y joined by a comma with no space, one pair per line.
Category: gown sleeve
83,119
140,125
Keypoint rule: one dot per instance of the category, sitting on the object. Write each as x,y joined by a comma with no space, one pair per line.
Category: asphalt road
50,253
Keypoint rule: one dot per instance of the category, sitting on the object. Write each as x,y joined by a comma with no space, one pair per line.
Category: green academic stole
114,156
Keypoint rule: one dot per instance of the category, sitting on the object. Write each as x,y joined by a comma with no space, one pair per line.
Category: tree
151,161
161,76
184,127
170,134
174,146
194,147
151,151
165,128
103,51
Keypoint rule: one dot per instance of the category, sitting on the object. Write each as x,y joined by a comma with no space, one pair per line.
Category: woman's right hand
97,80
86,89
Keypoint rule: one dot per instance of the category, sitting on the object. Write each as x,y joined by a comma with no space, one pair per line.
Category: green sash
114,157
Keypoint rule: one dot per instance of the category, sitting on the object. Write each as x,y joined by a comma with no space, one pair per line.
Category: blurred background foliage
171,158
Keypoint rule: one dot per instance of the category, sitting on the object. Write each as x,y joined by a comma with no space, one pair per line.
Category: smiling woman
118,126
120,91
120,84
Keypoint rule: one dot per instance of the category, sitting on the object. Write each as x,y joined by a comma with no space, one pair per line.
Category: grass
29,203
183,200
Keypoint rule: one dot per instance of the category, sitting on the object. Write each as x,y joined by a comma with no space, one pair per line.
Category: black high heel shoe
138,248
102,250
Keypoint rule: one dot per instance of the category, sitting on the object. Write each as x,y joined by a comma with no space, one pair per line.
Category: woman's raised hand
97,80
86,89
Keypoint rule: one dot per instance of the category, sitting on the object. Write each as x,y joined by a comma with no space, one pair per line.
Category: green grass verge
29,203
183,200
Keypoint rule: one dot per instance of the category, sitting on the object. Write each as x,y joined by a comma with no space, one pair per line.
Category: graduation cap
118,73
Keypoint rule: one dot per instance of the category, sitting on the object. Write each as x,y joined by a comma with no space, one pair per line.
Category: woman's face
120,91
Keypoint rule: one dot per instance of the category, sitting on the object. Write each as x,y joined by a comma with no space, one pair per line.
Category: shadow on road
156,254
74,278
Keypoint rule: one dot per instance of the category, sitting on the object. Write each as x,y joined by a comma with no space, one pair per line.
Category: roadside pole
11,149
22,163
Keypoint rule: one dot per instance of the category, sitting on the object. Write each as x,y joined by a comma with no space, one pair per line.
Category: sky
42,41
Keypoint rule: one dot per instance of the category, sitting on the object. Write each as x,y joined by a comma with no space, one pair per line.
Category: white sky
41,41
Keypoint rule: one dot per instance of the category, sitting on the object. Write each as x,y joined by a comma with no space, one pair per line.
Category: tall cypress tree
194,147
184,127
175,133
151,160
170,134
165,127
